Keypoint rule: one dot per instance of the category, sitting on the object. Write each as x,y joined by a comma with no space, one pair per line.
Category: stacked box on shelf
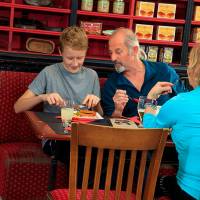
166,10
145,9
166,33
144,31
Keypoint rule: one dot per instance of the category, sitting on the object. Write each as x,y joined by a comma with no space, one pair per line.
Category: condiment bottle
118,6
103,6
87,5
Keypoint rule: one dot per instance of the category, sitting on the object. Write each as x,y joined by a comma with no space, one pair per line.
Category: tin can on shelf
103,6
166,55
118,6
152,53
87,5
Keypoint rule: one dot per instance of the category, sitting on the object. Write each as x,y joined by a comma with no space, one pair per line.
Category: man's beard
119,67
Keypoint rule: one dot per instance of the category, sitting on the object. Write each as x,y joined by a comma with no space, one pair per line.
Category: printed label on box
197,13
144,31
145,9
166,33
92,27
166,10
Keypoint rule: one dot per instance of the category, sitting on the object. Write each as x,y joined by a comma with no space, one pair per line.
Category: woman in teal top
182,114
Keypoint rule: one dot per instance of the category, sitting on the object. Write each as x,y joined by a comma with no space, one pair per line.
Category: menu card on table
123,123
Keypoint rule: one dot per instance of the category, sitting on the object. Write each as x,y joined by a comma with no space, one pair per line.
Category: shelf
3,4
4,28
101,14
195,23
174,64
154,19
61,16
192,44
98,37
39,8
34,53
98,58
34,31
161,42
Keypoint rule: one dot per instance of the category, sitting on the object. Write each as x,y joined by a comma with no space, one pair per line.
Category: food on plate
86,113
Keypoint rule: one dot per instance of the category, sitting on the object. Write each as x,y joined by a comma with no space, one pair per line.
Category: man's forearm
117,113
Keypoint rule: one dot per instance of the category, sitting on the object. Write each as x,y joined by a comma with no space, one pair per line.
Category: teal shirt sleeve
166,118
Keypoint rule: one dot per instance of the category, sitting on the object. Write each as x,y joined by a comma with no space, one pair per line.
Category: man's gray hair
132,41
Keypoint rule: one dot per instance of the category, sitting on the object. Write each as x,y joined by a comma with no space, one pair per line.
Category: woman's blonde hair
74,37
194,63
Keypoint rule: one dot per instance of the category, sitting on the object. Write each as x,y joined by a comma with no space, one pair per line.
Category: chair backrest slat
154,167
132,146
86,172
141,175
97,173
120,174
109,174
130,175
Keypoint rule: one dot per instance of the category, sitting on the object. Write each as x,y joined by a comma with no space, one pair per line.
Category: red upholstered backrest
102,81
14,127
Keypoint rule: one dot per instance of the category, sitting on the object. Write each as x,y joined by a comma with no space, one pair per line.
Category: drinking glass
67,112
141,107
158,109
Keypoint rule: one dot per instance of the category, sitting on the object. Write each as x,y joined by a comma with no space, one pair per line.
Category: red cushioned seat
24,168
62,194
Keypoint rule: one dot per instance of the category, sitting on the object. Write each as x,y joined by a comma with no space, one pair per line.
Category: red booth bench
24,168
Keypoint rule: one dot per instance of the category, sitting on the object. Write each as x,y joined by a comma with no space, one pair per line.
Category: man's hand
120,100
53,99
160,88
91,101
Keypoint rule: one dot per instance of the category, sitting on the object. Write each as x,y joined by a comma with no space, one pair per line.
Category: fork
135,100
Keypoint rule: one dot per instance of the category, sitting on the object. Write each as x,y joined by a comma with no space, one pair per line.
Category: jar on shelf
103,6
87,5
118,6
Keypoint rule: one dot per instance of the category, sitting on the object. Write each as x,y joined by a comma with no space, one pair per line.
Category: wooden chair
112,139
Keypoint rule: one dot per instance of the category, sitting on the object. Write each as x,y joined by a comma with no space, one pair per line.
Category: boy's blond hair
194,63
74,37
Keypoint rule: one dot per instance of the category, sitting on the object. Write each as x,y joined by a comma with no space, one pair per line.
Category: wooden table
47,126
